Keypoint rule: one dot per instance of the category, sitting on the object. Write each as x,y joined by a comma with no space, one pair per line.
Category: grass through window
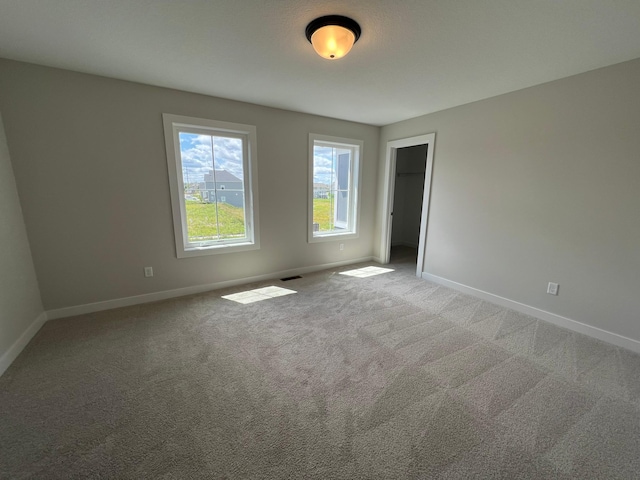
201,221
323,213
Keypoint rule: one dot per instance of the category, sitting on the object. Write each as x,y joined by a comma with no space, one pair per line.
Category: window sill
329,237
217,249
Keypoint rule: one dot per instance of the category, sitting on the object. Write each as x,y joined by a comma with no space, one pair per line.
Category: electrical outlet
341,246
148,272
552,288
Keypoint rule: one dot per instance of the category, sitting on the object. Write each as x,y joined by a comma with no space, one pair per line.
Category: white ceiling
414,56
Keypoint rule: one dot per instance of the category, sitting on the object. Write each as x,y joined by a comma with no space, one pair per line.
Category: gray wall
20,302
90,165
541,185
407,196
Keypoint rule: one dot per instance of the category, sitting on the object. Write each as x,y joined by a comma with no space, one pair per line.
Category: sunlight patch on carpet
366,272
259,294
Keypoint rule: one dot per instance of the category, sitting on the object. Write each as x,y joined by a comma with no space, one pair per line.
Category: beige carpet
382,377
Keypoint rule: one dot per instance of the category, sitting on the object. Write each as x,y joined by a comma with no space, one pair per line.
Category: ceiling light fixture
333,36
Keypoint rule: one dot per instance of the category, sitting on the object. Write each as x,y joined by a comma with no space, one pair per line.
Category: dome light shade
333,36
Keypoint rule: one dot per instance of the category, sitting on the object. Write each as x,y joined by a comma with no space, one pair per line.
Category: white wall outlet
552,288
341,246
148,272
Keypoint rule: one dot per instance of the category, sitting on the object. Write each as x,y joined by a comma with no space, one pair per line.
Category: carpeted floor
387,377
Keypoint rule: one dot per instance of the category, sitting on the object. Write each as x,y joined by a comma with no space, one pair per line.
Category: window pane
341,208
229,186
332,184
212,165
323,189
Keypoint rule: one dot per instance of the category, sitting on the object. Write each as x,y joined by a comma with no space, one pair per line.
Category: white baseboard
560,321
181,292
10,355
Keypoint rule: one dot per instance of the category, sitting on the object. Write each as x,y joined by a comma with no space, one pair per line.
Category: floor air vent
286,279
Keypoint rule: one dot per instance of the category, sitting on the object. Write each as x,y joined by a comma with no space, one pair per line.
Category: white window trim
357,174
172,125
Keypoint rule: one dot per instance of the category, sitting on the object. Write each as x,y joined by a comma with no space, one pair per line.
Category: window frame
173,126
356,146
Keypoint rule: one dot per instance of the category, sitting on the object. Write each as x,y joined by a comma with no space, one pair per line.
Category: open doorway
411,164
406,198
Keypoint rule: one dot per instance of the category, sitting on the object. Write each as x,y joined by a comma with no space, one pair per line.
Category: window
202,155
334,174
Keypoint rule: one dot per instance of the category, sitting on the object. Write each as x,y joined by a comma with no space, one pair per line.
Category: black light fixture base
339,20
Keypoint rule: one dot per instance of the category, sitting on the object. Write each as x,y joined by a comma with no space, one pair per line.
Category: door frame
390,183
